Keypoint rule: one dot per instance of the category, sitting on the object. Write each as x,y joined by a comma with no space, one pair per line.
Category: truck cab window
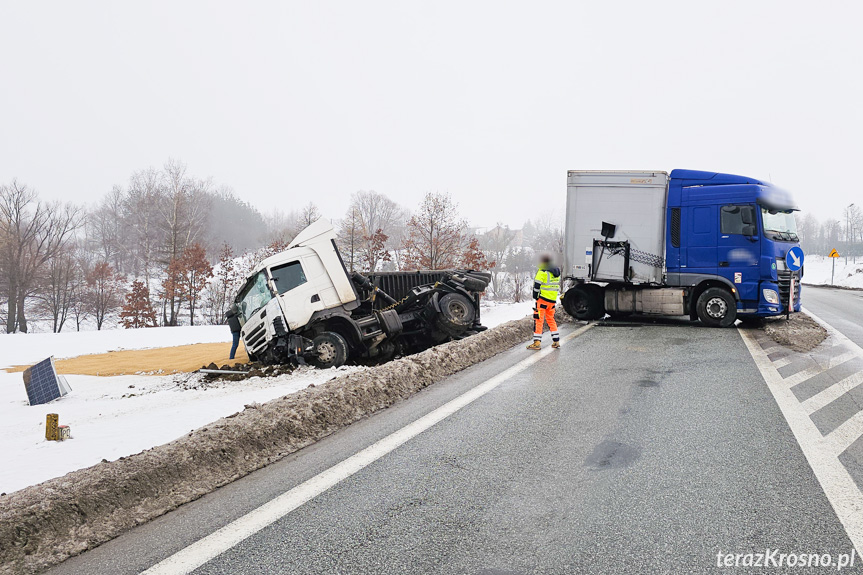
288,276
779,225
738,220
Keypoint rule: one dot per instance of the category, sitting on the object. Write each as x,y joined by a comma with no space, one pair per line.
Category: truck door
701,229
297,294
739,248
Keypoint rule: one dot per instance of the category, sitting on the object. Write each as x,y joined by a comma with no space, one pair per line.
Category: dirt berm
44,524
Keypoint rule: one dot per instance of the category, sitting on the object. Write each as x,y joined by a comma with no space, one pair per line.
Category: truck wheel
457,314
584,302
716,307
331,350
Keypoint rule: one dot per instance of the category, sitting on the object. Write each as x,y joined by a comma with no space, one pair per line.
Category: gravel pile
800,333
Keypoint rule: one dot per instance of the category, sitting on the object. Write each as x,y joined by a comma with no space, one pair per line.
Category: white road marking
837,483
819,367
839,337
843,436
832,393
190,558
782,362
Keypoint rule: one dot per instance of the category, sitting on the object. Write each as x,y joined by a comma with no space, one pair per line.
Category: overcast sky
288,102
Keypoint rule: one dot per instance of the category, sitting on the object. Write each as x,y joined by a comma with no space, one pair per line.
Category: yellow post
52,430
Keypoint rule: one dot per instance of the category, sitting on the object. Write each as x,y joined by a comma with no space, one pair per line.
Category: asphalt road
643,449
842,309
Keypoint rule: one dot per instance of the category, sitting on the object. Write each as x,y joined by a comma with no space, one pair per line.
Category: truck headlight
770,296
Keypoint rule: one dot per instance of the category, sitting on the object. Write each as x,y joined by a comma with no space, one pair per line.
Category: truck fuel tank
655,301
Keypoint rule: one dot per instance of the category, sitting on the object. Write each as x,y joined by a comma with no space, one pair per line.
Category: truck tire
457,314
331,349
716,307
584,302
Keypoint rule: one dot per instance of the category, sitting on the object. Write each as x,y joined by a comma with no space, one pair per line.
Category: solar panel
43,384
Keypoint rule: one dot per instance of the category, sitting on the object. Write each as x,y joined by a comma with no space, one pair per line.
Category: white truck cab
307,277
302,303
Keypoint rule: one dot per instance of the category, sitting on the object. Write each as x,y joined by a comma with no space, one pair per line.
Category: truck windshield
254,296
779,225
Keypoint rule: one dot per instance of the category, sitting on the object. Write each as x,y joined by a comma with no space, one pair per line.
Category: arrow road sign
833,253
794,258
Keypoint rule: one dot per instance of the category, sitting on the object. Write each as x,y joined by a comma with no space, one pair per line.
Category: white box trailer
709,245
634,202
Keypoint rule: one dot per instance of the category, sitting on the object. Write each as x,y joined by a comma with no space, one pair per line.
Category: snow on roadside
817,270
24,348
493,313
112,417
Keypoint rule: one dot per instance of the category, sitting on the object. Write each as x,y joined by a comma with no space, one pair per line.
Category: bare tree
548,234
496,244
32,233
106,229
183,213
104,291
307,216
519,272
349,238
62,288
370,212
435,234
141,217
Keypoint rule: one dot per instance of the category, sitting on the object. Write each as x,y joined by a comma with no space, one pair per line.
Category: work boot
556,345
535,345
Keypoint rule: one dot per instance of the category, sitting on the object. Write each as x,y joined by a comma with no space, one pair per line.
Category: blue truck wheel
716,307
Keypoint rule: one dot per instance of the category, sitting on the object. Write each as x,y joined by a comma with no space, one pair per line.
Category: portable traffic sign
794,258
833,253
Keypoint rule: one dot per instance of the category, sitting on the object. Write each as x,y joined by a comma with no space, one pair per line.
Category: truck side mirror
748,215
749,230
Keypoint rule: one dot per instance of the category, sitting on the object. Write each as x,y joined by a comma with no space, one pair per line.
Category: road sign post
833,255
793,261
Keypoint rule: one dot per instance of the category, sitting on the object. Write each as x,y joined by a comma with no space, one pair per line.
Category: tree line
844,235
167,248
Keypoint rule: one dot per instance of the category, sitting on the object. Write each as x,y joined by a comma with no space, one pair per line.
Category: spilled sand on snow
156,361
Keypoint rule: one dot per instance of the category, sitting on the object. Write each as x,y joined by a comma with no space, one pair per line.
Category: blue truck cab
736,231
716,247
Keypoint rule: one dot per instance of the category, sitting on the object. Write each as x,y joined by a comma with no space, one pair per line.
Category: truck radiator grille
257,339
785,285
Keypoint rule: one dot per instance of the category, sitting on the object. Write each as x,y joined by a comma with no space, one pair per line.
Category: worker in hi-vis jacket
546,286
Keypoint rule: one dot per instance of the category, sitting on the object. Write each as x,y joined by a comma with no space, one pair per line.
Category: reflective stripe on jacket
547,285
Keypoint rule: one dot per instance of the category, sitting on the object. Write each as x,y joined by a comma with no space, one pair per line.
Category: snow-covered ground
494,313
817,270
24,348
112,417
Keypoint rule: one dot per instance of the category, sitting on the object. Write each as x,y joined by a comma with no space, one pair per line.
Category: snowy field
817,271
24,348
112,417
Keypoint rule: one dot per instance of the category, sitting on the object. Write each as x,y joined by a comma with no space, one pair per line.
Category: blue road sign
794,258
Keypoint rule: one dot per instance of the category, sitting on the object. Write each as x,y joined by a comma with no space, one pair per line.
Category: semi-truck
303,304
708,245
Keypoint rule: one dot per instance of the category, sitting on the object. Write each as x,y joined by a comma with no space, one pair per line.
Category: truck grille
256,340
785,285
